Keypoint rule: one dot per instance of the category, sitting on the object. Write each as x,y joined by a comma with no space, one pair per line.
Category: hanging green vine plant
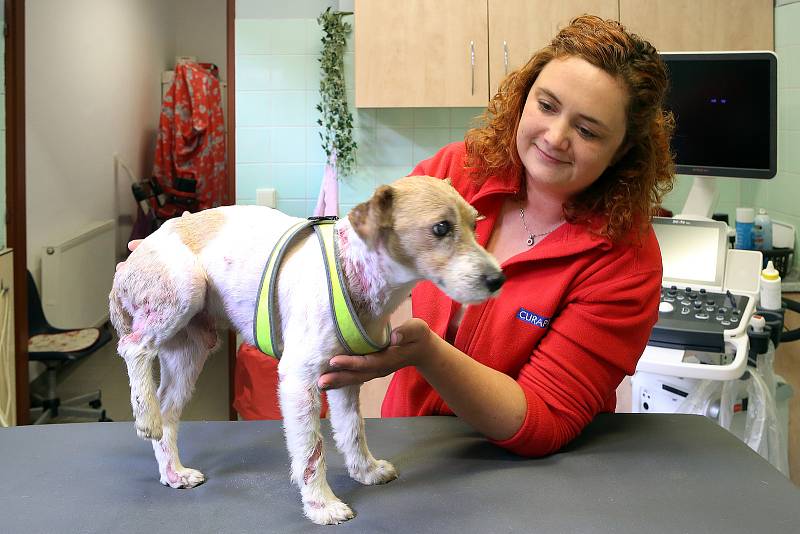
336,120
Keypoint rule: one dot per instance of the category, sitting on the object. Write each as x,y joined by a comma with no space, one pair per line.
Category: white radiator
77,276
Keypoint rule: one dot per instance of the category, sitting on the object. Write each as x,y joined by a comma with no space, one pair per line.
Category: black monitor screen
725,111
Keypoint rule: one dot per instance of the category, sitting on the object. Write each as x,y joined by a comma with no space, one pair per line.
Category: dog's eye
442,228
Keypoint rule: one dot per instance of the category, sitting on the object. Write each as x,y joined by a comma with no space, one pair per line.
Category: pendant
530,241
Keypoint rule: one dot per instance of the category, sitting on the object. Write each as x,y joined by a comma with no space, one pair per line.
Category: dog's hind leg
139,356
348,430
151,301
300,405
182,358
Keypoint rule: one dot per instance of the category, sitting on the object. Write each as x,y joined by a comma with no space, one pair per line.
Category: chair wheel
95,404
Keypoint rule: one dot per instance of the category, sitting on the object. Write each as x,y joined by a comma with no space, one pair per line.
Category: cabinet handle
472,63
505,57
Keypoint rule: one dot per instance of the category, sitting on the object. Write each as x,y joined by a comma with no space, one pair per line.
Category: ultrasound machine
725,107
708,295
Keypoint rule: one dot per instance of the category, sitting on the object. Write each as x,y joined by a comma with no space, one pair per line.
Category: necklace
531,236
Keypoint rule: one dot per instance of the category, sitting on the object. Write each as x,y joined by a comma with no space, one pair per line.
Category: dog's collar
349,330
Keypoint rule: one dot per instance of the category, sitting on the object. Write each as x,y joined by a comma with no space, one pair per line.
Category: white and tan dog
201,267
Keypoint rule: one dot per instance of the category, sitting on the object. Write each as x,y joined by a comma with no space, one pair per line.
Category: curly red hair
626,195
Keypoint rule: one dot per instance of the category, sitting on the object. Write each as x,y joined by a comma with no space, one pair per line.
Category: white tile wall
277,138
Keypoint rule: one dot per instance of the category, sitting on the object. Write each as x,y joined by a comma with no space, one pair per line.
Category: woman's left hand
411,342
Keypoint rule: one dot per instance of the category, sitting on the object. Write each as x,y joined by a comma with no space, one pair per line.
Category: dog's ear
370,218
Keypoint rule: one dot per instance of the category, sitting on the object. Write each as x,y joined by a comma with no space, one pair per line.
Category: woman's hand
411,343
131,246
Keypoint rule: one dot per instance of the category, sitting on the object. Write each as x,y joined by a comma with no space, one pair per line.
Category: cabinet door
421,53
517,28
701,25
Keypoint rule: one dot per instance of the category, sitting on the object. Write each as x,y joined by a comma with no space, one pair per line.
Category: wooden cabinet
701,25
451,53
517,28
421,53
454,53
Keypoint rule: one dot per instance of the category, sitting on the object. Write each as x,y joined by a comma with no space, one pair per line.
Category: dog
200,268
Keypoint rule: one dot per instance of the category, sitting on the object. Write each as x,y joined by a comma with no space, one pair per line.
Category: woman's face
572,126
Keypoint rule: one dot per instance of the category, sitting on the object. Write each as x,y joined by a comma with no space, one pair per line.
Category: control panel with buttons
696,319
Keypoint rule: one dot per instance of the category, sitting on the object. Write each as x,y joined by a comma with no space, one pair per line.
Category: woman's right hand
410,342
131,246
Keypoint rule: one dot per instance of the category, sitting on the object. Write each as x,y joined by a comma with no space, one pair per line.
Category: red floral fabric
191,136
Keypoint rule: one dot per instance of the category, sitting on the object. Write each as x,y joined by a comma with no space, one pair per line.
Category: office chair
44,336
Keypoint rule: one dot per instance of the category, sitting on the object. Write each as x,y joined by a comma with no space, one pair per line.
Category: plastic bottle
762,231
744,228
770,288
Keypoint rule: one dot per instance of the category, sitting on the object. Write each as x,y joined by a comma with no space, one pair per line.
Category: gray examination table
641,473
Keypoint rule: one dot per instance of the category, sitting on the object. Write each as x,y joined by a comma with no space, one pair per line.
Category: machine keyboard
696,319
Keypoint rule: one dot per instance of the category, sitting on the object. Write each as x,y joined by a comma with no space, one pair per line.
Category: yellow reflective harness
349,330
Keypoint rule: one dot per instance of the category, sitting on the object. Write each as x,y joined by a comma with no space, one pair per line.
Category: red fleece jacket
571,320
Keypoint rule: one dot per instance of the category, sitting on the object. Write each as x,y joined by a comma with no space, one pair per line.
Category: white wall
93,76
92,89
200,30
298,9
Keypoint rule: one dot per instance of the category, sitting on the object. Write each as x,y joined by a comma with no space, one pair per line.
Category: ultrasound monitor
725,108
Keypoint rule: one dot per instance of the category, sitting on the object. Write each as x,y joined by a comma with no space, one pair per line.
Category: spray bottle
762,231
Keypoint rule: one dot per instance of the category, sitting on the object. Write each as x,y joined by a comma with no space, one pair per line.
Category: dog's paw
185,477
380,472
331,512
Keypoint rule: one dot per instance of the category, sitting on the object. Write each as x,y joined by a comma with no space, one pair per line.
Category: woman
567,170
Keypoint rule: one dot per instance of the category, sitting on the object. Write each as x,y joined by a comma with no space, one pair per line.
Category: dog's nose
494,281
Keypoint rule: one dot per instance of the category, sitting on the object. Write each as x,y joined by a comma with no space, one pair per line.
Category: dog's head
425,226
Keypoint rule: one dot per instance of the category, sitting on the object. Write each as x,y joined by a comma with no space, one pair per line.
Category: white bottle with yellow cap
770,288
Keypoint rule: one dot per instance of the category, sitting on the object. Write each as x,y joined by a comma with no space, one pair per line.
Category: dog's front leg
348,430
300,405
182,359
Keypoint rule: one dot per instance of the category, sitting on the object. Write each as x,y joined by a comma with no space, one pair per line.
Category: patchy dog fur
207,266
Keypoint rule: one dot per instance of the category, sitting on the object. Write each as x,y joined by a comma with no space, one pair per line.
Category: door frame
230,165
16,235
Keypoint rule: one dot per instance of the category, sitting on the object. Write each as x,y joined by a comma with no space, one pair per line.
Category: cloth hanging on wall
328,200
190,148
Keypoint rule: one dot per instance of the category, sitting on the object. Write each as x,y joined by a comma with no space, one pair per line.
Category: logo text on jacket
533,318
